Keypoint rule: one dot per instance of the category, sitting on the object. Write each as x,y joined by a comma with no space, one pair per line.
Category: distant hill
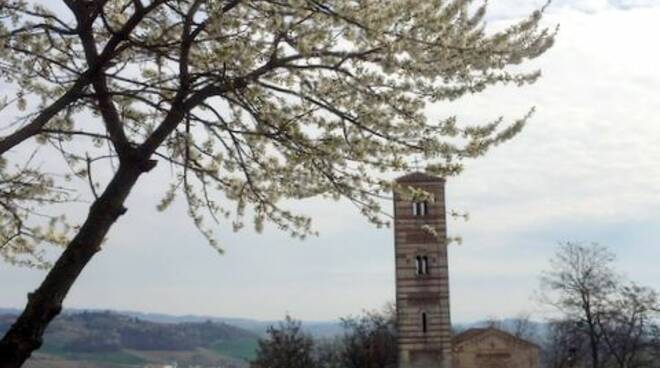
107,339
108,331
9,311
259,327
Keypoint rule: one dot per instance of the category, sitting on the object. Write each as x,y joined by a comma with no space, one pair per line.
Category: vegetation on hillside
103,332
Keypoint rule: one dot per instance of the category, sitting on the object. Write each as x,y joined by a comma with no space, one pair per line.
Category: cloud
584,169
629,4
508,9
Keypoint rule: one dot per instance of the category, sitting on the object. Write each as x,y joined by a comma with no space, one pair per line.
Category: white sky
586,168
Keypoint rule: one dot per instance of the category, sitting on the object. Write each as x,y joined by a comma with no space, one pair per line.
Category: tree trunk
26,334
595,359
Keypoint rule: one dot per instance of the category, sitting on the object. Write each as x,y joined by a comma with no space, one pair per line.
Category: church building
422,290
492,348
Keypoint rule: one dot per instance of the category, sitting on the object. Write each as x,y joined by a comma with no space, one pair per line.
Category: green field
244,349
118,357
238,350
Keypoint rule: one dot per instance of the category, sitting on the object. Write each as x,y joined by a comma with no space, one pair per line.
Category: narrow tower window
420,208
424,323
421,265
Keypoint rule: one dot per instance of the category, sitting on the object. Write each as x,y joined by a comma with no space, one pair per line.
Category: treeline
95,332
368,341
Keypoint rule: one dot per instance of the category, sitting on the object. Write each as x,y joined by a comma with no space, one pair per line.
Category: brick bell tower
422,276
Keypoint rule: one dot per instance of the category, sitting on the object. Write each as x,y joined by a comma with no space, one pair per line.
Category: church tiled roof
467,334
474,332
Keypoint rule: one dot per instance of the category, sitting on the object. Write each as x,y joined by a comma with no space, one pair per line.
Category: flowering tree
254,100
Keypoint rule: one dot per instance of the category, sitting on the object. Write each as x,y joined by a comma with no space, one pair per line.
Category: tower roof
418,176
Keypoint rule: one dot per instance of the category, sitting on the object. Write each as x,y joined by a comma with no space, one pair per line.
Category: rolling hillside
107,339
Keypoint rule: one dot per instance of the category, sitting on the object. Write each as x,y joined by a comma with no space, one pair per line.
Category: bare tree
564,345
579,284
616,318
370,341
628,324
523,327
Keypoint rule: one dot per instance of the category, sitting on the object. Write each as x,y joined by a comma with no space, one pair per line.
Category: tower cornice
419,177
